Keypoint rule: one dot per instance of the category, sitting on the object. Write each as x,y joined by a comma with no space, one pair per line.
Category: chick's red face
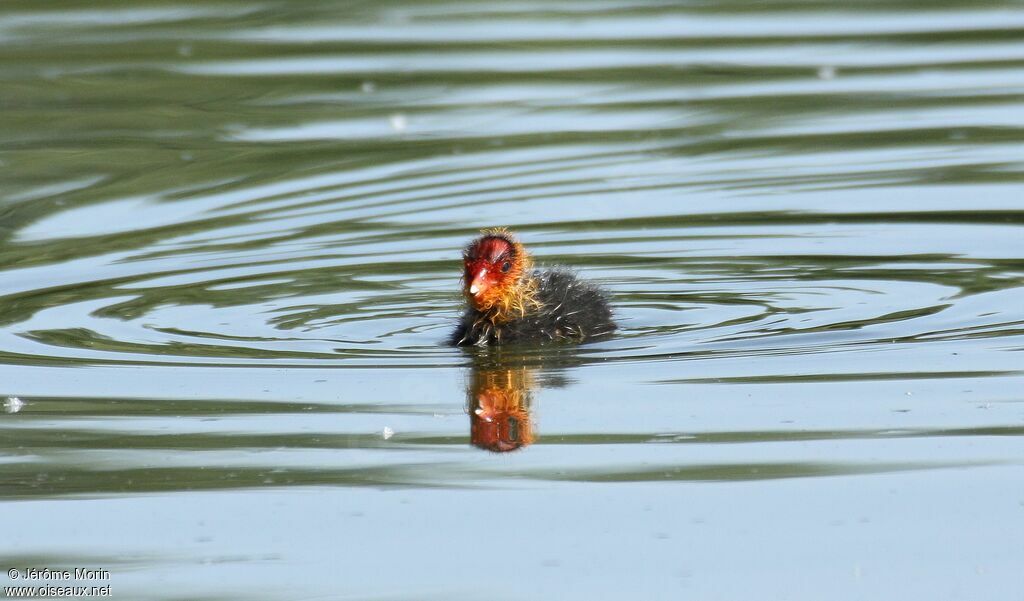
488,263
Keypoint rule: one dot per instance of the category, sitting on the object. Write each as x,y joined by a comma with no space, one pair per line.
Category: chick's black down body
569,310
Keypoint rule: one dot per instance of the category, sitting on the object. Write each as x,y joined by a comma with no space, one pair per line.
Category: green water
229,258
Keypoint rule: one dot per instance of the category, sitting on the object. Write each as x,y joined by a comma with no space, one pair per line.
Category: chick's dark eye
506,266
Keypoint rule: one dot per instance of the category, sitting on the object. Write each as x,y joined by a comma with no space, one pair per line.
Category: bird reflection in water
500,392
498,401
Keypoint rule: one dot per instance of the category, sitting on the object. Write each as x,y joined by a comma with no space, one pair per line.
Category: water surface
229,243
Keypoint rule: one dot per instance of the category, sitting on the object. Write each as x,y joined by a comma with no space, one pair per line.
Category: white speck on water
13,404
388,433
826,72
368,87
185,50
398,122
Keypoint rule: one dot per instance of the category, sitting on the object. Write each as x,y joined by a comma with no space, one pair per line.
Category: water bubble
368,87
13,404
398,122
826,72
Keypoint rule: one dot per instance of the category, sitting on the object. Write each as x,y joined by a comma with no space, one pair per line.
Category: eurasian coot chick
510,302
